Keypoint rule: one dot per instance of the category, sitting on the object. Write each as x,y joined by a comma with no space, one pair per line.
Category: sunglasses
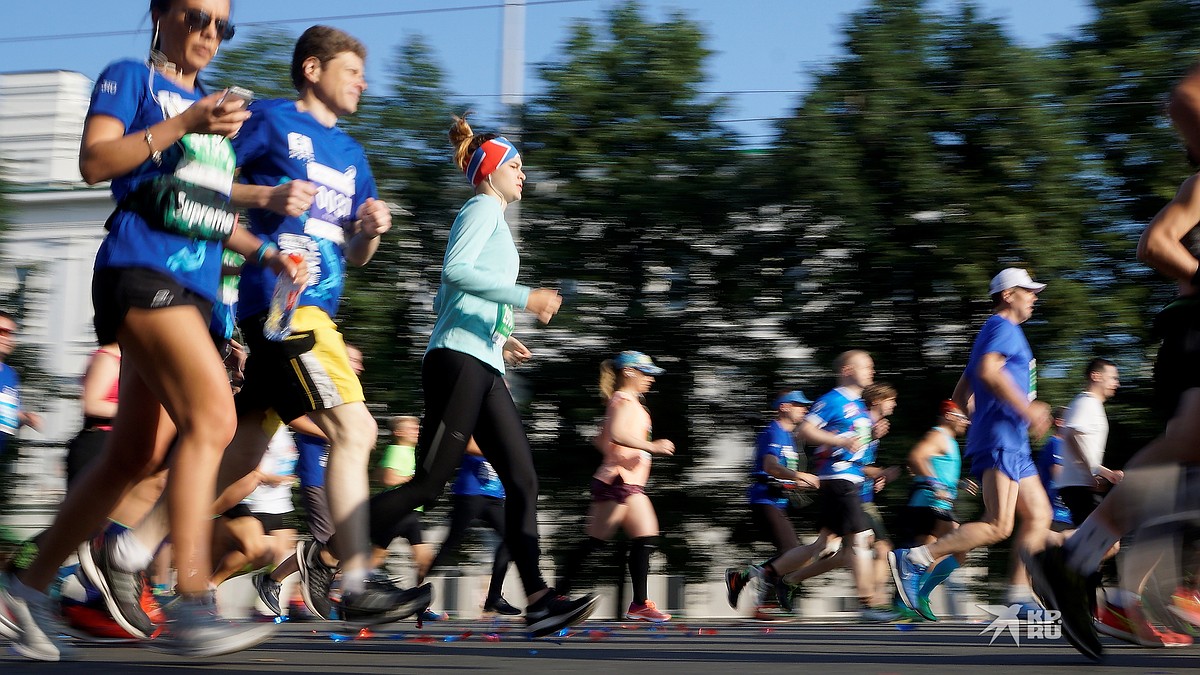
198,20
8,331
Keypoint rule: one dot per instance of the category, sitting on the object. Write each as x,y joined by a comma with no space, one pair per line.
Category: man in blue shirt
775,473
310,191
1001,376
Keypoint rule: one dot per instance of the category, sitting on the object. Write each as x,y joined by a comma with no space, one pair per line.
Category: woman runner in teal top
463,372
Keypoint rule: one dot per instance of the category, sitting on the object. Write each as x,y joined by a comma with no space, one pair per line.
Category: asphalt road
707,648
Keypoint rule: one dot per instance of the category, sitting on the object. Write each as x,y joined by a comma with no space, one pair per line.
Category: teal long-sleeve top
479,279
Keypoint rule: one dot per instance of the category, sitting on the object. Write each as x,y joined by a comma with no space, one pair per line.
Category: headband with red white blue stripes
488,157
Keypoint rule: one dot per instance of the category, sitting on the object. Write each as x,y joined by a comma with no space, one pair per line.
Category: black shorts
1177,367
841,507
238,510
83,450
774,526
918,522
1080,501
271,521
116,290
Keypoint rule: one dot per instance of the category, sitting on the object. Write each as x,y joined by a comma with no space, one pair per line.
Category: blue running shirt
995,425
477,477
777,442
140,98
280,143
839,414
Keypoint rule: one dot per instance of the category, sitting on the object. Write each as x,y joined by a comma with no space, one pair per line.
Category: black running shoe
268,591
381,602
1060,587
735,580
785,592
500,606
315,579
554,612
122,591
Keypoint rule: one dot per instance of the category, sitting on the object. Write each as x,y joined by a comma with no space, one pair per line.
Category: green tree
260,62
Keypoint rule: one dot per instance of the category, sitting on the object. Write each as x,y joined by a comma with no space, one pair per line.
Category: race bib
1032,380
505,324
10,405
333,204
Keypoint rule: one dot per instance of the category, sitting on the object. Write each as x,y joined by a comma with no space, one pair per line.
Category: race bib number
333,204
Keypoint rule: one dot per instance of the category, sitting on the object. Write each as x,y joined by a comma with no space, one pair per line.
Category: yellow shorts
309,370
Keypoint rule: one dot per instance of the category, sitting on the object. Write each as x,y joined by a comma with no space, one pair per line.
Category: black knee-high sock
575,562
639,565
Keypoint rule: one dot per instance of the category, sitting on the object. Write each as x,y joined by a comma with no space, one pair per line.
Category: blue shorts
1016,464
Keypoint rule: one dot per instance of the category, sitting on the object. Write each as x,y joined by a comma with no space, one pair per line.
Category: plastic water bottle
283,304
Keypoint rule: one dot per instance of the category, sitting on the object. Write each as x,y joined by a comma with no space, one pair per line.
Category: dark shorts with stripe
308,370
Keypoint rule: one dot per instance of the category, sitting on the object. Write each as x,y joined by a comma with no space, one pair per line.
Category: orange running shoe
1131,625
646,612
1185,604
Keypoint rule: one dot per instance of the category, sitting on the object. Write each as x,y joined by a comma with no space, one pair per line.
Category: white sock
1086,548
353,581
128,554
920,555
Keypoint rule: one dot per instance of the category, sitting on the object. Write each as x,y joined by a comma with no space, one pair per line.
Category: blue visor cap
795,397
637,361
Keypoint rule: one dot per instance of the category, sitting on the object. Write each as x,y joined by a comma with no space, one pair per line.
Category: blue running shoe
907,576
1026,607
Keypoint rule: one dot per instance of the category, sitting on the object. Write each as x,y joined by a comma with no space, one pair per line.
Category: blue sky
759,45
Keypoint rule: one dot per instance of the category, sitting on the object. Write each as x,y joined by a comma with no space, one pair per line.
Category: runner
12,417
463,373
619,497
880,398
152,131
1156,483
775,475
1001,375
936,465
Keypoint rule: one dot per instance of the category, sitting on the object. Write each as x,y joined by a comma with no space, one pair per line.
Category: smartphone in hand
237,94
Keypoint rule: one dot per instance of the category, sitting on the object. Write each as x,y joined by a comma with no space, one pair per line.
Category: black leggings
467,509
464,397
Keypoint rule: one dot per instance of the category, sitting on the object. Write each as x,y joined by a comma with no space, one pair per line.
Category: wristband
266,247
155,155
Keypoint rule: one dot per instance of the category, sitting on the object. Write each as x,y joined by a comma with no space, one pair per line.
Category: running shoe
553,612
878,614
268,591
785,592
907,576
315,578
381,602
500,606
35,623
1028,609
924,609
432,616
771,614
195,628
1185,604
122,591
1131,625
646,612
736,579
905,614
1061,588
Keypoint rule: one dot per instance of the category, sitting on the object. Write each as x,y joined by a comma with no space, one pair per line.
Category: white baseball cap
1013,277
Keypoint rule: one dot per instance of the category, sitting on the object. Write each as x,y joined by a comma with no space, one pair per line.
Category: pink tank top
104,424
632,466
